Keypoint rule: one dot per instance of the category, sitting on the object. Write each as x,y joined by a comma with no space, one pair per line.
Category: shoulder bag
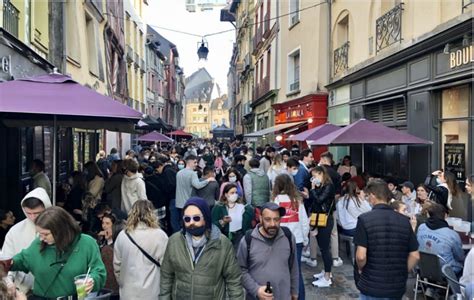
143,251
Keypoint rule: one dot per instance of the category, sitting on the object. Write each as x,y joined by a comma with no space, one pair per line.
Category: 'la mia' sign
461,57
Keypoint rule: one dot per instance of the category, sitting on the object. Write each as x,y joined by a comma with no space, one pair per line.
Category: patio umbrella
364,132
314,133
155,137
55,100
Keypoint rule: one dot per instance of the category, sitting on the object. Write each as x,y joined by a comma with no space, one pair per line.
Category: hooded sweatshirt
20,236
133,189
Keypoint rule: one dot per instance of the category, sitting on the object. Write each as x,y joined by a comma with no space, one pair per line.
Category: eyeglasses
195,218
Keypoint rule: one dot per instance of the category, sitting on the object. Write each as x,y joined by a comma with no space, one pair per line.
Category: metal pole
363,159
55,145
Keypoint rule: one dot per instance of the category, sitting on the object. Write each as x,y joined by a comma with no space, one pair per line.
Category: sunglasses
195,218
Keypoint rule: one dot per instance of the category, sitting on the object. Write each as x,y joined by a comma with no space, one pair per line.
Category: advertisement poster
455,160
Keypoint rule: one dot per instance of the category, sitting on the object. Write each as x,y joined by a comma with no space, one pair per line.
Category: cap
409,185
274,207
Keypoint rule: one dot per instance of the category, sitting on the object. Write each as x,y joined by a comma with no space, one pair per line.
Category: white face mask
233,198
232,178
294,172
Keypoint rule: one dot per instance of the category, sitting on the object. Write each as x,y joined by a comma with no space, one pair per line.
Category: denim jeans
299,252
176,215
364,297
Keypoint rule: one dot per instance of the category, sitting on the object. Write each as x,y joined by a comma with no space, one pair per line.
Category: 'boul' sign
461,57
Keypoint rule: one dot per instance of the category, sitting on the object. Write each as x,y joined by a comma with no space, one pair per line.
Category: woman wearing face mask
278,167
231,216
321,198
181,164
232,176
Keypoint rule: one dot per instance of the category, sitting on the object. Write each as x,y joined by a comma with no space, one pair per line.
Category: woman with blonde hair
138,253
278,167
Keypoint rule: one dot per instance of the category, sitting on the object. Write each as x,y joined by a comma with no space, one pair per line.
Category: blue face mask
180,166
438,180
196,231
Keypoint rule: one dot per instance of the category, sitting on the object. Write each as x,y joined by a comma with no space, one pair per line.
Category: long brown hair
226,189
62,225
322,170
351,194
142,212
284,185
451,182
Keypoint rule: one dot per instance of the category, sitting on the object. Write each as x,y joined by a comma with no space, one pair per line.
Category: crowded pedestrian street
236,149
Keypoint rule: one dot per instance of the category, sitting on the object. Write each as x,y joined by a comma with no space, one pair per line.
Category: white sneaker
320,275
306,253
337,262
312,262
305,259
322,282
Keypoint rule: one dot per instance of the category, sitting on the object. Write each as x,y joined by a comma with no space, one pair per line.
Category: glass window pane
455,102
455,133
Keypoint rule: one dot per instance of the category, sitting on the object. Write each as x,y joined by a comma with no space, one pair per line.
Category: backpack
286,231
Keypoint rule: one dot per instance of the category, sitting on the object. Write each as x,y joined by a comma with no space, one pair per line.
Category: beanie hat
203,207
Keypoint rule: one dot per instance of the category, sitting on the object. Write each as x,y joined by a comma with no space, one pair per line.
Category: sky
173,14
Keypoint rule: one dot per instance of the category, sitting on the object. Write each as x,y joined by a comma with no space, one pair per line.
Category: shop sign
455,159
5,65
461,57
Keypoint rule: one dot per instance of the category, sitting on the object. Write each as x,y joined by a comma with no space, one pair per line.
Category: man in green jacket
199,262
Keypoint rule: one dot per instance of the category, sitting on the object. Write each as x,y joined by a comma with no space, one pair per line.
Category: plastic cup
80,282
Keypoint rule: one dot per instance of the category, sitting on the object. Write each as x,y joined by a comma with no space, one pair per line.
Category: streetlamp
203,51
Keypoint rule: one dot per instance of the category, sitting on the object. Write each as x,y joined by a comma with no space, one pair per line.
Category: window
343,31
91,46
294,12
294,71
72,38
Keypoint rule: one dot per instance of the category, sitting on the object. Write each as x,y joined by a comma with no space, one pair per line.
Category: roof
165,46
221,100
199,85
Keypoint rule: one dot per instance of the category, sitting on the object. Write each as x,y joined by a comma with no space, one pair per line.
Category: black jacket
166,181
439,194
389,239
335,177
322,199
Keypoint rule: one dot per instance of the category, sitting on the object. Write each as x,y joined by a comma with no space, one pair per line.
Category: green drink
80,282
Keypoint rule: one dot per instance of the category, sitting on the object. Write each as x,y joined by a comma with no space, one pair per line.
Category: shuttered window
392,113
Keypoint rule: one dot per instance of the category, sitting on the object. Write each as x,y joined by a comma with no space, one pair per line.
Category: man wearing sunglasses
199,261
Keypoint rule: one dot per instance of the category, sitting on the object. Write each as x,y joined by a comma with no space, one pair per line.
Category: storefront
310,111
426,90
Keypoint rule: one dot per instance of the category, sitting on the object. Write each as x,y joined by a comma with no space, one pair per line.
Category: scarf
435,223
196,247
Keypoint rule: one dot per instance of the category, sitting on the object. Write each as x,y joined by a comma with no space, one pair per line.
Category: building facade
156,81
219,112
197,118
410,73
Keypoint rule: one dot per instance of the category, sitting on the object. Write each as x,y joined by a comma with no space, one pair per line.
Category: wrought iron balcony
129,54
10,17
341,58
389,28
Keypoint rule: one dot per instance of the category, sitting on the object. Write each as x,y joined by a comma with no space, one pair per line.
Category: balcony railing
266,26
261,89
341,58
389,28
10,17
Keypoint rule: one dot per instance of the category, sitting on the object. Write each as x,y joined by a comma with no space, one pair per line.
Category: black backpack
288,234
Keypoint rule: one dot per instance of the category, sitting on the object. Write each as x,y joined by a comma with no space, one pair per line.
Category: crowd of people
198,220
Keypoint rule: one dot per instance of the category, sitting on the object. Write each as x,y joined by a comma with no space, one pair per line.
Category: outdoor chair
453,283
429,273
350,248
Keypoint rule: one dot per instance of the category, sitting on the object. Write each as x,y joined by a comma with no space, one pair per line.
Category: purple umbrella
363,132
56,99
155,137
314,133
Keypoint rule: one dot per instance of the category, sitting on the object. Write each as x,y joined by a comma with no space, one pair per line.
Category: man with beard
199,262
268,254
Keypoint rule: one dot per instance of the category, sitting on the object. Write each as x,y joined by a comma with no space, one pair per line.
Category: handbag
143,251
320,219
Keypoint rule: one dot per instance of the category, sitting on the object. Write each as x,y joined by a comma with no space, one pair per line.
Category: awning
269,130
34,101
